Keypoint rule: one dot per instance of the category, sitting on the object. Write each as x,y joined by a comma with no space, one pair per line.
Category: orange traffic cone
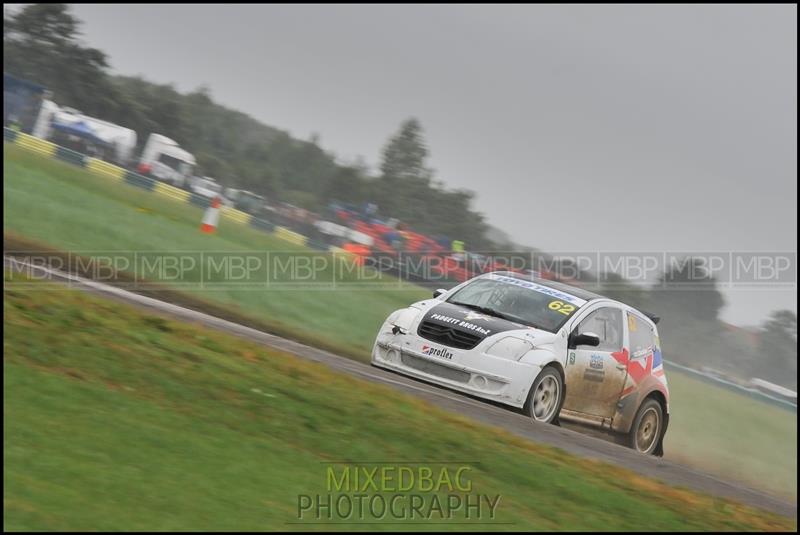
211,217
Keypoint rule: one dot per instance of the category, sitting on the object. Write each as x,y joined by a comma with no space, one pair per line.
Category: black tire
648,428
543,404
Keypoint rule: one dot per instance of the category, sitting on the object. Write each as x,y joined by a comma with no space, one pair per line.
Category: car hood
483,325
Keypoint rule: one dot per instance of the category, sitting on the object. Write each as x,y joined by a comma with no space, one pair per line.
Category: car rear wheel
546,396
646,429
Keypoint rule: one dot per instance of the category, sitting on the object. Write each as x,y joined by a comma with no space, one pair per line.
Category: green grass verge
711,428
115,419
727,433
72,210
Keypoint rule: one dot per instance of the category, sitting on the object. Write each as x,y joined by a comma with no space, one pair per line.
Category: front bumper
496,379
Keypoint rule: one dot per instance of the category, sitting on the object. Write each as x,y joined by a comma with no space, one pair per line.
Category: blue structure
81,130
22,101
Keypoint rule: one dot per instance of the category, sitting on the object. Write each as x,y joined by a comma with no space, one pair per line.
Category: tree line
42,43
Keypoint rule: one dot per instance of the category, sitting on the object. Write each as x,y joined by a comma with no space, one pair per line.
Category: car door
595,376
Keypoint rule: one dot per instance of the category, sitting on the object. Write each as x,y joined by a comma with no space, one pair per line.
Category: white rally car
550,349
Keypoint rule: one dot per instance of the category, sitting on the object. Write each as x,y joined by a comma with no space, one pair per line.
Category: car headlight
403,318
393,316
509,347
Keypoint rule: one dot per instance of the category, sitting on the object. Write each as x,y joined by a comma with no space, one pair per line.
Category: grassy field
730,434
73,210
67,208
115,419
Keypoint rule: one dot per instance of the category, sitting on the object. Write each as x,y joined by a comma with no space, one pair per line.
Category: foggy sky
612,128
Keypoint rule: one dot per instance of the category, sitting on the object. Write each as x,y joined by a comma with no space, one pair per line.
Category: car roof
573,290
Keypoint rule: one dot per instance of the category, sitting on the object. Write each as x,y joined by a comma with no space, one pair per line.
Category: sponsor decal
475,316
557,294
596,362
461,323
594,375
572,357
437,352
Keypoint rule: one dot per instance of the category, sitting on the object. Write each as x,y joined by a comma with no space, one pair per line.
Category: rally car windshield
520,301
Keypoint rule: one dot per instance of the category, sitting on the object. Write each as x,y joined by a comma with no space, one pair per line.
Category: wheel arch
555,364
543,358
659,396
625,434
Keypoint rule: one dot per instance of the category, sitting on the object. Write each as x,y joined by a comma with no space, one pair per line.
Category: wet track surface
586,443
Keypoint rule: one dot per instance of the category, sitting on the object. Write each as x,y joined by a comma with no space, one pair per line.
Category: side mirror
437,293
583,339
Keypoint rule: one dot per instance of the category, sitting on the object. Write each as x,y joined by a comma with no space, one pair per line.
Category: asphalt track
578,443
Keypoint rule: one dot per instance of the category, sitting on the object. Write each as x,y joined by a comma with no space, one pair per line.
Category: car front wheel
646,429
546,396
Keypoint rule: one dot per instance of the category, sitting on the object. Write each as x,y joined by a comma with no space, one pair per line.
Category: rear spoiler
653,317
